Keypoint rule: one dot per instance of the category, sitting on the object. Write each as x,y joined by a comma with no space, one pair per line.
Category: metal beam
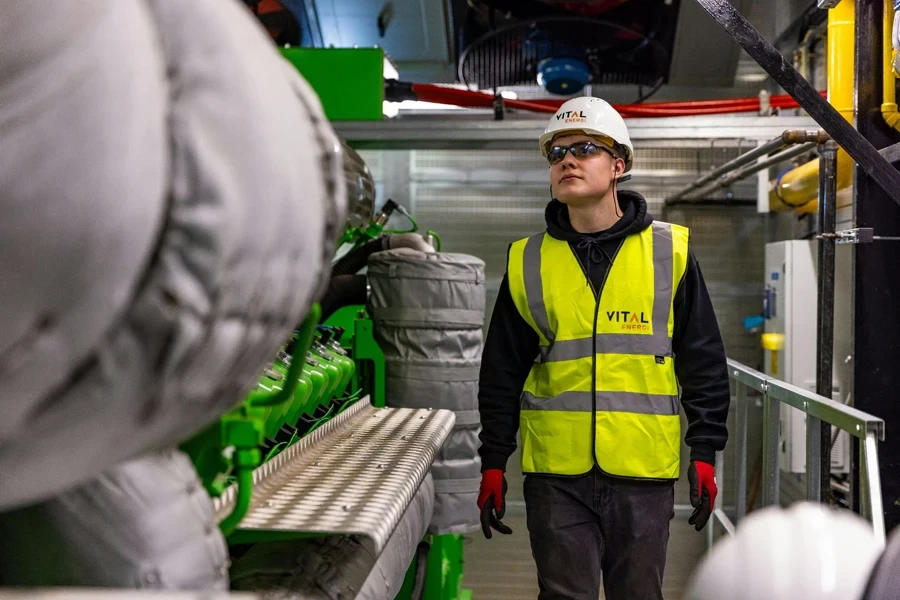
803,92
443,131
818,432
876,355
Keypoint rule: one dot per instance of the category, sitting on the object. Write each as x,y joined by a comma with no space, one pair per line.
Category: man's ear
620,167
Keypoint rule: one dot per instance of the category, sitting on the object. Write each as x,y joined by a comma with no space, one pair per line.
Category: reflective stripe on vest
628,387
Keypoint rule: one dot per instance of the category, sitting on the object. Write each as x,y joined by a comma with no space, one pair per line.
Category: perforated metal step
354,476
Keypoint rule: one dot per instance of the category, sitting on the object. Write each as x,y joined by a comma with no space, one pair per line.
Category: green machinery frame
364,350
229,450
444,574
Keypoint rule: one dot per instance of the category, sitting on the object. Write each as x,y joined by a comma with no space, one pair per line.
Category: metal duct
360,188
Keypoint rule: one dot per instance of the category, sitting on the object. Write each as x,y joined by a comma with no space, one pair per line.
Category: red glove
492,502
702,477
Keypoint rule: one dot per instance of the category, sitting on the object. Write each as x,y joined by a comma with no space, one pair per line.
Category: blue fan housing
562,76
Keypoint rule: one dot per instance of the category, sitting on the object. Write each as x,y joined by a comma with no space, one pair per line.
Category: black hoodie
512,345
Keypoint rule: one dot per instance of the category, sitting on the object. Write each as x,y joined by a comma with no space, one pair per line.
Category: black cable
422,550
344,290
358,258
619,212
656,87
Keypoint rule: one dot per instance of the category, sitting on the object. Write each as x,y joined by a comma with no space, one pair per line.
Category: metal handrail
867,429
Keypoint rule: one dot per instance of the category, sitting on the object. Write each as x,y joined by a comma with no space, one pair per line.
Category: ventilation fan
565,46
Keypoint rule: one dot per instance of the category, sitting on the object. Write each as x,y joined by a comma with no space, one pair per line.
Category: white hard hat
592,116
807,551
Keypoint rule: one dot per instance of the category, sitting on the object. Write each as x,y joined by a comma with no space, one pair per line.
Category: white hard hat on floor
594,117
807,551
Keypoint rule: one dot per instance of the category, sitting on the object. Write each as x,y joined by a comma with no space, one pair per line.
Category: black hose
357,259
418,591
344,290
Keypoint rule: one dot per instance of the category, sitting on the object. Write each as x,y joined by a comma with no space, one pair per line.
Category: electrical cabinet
790,310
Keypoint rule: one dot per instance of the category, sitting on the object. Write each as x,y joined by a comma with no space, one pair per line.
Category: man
597,324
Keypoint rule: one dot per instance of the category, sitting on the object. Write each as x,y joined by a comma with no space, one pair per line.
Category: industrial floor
502,568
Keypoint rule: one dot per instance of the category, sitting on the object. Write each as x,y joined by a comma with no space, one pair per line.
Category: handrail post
771,474
814,453
823,414
741,466
871,506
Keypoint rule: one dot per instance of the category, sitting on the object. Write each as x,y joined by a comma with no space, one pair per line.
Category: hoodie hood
635,218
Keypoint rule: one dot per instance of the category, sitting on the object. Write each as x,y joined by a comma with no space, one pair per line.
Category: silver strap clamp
859,235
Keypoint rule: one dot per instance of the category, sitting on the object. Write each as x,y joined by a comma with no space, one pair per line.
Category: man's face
585,180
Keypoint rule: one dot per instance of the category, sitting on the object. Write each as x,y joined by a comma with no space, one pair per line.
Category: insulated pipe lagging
414,241
799,187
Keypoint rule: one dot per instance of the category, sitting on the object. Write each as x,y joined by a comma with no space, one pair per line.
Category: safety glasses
579,150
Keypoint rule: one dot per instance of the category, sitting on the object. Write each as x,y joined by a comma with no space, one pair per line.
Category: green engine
331,362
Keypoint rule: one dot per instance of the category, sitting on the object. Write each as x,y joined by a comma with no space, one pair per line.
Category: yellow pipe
799,188
889,79
809,177
842,56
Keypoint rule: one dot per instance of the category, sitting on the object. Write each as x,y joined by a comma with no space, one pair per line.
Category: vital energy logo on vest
629,320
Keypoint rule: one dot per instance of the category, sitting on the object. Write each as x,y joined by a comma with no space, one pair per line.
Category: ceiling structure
425,38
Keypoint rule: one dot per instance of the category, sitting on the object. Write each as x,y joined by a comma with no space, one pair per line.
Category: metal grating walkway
355,475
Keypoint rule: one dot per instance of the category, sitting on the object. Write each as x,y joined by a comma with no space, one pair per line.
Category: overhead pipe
798,188
845,134
740,161
782,101
789,137
743,173
397,91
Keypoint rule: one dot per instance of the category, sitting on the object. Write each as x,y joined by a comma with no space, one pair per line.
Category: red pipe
443,95
776,101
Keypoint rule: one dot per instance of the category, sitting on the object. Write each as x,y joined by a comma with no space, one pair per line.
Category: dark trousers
582,527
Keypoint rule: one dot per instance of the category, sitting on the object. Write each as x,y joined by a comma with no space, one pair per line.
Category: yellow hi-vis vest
603,389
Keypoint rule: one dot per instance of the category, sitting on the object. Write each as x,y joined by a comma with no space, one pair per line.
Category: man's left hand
702,479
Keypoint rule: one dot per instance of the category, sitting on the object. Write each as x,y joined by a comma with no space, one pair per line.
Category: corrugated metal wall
481,201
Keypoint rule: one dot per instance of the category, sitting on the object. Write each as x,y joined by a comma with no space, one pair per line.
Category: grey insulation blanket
170,194
428,312
147,523
336,567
